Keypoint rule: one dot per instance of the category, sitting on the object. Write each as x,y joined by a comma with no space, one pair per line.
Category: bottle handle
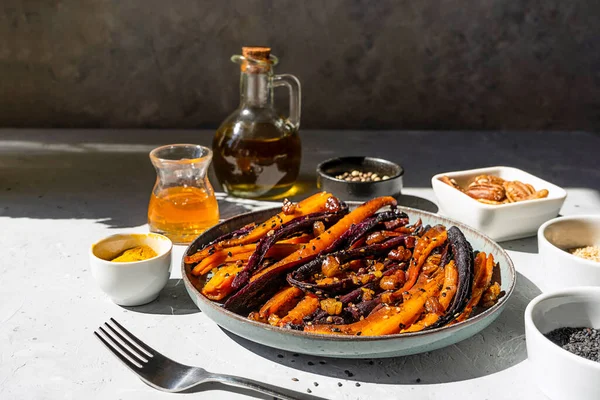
293,85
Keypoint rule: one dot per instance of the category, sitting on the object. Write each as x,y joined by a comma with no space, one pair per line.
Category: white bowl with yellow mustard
132,269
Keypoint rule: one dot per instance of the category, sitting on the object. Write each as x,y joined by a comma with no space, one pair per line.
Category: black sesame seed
584,342
308,391
418,380
279,355
295,379
316,383
340,384
310,363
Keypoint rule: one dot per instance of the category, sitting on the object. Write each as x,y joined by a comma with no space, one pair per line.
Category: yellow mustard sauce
138,253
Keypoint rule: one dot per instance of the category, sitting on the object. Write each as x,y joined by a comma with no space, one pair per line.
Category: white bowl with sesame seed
557,238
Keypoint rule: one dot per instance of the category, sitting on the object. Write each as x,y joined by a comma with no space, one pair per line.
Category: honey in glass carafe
257,151
183,203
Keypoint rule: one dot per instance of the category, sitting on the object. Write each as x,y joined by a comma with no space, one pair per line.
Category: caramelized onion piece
289,208
330,266
318,228
333,204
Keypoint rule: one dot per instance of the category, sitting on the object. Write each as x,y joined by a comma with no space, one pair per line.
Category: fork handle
260,387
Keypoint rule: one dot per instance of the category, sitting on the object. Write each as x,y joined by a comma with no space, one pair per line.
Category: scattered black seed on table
310,363
316,383
357,384
584,342
322,362
279,355
348,373
295,379
418,380
308,391
340,384
295,354
371,362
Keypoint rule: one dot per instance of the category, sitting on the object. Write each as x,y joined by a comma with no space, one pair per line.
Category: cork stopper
256,53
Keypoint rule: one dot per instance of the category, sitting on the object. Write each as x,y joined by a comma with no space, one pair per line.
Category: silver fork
167,375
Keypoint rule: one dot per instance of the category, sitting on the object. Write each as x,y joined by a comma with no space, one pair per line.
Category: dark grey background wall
414,64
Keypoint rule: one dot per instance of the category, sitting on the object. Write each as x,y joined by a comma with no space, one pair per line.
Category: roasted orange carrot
434,237
445,298
219,286
313,204
450,285
305,307
282,302
389,320
241,253
481,283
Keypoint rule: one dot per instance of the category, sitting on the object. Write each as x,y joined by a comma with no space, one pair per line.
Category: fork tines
123,344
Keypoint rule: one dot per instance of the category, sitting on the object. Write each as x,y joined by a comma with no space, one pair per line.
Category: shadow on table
172,300
496,348
417,202
250,393
526,245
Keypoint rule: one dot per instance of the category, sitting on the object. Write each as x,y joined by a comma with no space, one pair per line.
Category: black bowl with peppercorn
360,178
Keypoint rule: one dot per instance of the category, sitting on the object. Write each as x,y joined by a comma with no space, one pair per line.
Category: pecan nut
518,191
487,191
486,179
451,182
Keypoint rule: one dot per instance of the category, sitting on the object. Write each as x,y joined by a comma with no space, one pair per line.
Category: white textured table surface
49,305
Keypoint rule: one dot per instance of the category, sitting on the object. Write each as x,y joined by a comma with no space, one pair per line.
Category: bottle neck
256,90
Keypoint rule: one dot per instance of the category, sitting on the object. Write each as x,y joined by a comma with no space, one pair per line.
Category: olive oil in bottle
257,151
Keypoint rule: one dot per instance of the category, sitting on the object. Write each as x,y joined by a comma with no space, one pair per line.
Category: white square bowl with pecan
505,203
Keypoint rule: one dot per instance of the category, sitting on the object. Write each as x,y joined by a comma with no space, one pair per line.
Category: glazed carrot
304,308
313,204
240,253
327,238
219,286
434,237
428,320
219,257
485,271
283,301
444,299
389,320
450,285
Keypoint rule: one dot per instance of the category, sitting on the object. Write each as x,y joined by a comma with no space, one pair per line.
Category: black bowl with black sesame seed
360,178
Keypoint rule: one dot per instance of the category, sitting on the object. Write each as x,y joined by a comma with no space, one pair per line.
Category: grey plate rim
345,338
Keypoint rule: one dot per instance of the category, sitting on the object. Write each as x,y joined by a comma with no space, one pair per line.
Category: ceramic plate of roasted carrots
356,280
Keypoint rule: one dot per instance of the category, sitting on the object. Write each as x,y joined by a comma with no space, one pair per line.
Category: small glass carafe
256,150
183,202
